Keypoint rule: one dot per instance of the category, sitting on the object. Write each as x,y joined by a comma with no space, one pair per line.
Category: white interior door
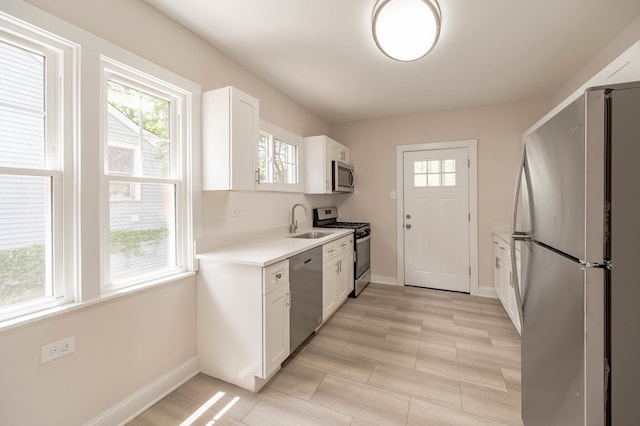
436,219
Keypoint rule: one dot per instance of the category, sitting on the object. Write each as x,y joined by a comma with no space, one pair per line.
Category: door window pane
433,180
449,166
434,166
420,180
434,173
449,179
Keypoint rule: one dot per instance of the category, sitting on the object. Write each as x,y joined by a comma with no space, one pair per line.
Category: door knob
408,225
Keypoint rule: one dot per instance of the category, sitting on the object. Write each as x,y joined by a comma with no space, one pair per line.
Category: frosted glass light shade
406,30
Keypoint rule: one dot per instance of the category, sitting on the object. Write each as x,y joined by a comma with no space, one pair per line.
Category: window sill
74,306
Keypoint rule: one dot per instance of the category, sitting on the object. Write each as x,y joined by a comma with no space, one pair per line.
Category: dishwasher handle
298,263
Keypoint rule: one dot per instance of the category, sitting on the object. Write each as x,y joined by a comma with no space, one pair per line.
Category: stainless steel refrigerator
579,195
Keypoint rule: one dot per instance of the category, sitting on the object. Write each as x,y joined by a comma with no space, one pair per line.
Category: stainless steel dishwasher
305,279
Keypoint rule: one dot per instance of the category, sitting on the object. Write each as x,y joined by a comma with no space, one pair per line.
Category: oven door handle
362,240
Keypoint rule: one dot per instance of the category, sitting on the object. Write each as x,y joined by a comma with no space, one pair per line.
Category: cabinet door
245,130
339,152
497,267
512,304
329,284
317,165
275,329
229,139
345,276
505,279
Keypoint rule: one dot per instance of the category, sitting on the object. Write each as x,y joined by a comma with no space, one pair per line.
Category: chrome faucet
293,226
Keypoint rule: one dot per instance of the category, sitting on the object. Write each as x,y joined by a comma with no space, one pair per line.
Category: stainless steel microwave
342,174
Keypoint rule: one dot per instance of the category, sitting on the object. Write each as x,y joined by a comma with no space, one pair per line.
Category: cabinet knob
279,275
408,226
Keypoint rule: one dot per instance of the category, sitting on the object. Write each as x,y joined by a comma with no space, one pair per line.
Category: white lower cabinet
243,321
275,318
337,274
503,278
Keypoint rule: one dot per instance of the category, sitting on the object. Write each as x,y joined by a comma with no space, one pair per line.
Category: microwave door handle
351,178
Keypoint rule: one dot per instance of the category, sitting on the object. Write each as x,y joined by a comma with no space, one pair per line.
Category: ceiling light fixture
406,30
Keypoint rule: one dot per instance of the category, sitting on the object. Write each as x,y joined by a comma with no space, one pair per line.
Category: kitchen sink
312,235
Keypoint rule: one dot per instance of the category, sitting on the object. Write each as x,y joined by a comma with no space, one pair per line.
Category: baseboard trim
144,398
381,279
487,292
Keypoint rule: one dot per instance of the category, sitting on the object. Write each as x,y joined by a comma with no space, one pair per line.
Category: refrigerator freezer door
552,339
554,187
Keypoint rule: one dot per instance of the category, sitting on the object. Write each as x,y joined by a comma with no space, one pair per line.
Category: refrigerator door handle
604,265
517,236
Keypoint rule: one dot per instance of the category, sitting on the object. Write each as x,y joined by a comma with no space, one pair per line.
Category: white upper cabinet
319,152
624,69
230,132
339,152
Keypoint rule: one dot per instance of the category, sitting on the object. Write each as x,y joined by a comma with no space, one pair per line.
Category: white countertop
269,250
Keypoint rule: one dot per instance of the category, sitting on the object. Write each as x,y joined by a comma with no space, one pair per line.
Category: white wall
121,346
498,129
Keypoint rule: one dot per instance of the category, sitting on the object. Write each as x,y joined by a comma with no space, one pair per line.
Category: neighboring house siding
22,219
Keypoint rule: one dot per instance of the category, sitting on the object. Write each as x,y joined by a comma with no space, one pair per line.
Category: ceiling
321,53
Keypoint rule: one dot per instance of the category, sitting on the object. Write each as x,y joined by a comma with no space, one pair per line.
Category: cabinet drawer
275,276
345,244
329,251
336,248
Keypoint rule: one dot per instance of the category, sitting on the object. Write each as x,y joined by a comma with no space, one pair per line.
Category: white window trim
111,69
82,260
290,138
60,58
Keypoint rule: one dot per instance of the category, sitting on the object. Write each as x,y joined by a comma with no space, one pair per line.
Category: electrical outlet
57,349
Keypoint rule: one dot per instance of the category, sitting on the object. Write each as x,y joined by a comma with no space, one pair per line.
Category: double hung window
144,174
33,148
79,224
279,153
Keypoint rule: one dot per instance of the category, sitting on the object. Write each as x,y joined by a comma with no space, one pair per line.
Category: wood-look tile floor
393,356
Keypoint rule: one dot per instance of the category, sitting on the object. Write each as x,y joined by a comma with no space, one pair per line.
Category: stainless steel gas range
327,217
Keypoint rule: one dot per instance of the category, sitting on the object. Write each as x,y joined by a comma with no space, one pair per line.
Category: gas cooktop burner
351,225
